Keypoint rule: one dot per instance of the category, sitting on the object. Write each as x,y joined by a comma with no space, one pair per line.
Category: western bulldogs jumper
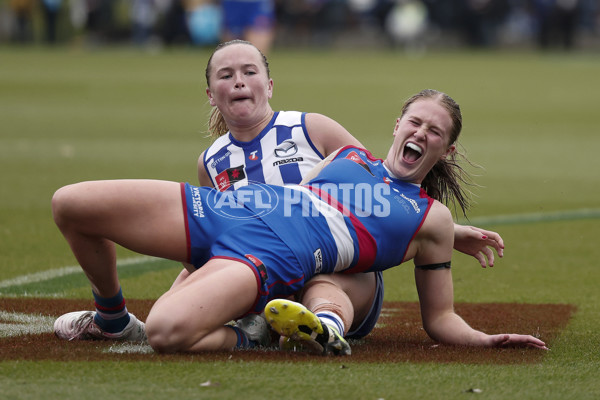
282,153
353,217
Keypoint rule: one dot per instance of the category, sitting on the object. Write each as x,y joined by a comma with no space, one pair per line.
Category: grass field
530,119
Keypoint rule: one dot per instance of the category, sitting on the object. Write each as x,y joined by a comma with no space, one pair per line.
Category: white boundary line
509,219
17,324
55,273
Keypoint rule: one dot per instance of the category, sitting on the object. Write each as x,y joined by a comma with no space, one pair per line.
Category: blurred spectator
519,27
51,9
406,23
313,22
96,16
22,30
251,20
480,20
78,14
204,19
174,28
557,22
410,23
590,15
144,14
443,13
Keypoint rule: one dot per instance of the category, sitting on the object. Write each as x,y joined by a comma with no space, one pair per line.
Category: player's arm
328,135
203,177
436,292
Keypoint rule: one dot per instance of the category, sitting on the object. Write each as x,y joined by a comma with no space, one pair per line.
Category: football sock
111,313
243,342
332,320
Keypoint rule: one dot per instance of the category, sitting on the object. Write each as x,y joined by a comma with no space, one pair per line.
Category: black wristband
433,267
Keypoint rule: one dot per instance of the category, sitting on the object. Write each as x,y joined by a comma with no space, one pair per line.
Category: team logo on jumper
412,202
197,202
356,158
286,149
228,177
218,160
318,260
288,160
253,156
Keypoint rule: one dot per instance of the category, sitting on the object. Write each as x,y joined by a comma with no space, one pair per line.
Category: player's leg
332,305
261,28
347,296
261,38
190,317
142,215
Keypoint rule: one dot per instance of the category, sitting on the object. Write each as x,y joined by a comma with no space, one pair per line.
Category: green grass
529,119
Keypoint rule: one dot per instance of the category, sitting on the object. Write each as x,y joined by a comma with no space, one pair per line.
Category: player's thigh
218,292
143,215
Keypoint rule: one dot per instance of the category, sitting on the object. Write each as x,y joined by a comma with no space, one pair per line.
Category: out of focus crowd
413,24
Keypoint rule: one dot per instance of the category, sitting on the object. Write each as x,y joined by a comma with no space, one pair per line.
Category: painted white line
510,219
130,348
55,273
16,324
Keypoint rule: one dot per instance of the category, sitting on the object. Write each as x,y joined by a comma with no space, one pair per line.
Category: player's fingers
481,258
494,237
489,255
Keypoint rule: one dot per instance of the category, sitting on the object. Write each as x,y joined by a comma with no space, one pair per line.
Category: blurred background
413,25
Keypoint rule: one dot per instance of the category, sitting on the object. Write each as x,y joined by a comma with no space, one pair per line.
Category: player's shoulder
218,144
289,118
439,219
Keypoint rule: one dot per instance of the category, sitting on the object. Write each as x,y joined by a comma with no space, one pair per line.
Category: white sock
332,320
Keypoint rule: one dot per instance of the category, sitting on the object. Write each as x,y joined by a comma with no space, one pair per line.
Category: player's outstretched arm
442,324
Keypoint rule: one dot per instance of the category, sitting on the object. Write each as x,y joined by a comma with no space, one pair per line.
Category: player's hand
513,339
478,243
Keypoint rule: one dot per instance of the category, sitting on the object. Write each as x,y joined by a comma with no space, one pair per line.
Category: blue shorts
242,237
238,16
371,319
237,234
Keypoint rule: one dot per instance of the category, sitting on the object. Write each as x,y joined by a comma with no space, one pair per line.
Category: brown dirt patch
399,338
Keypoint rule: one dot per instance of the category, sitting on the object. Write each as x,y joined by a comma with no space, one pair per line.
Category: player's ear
396,126
270,89
449,151
210,98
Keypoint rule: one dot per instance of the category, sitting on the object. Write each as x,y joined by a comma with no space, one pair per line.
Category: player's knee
63,202
165,335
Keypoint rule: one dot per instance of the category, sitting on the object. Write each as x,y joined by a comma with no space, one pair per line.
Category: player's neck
247,133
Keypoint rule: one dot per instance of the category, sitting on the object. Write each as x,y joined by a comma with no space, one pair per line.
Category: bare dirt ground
399,336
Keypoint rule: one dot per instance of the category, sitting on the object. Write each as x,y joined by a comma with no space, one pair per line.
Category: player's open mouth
237,99
412,152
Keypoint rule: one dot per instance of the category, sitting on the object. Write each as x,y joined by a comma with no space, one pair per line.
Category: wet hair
443,182
216,123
